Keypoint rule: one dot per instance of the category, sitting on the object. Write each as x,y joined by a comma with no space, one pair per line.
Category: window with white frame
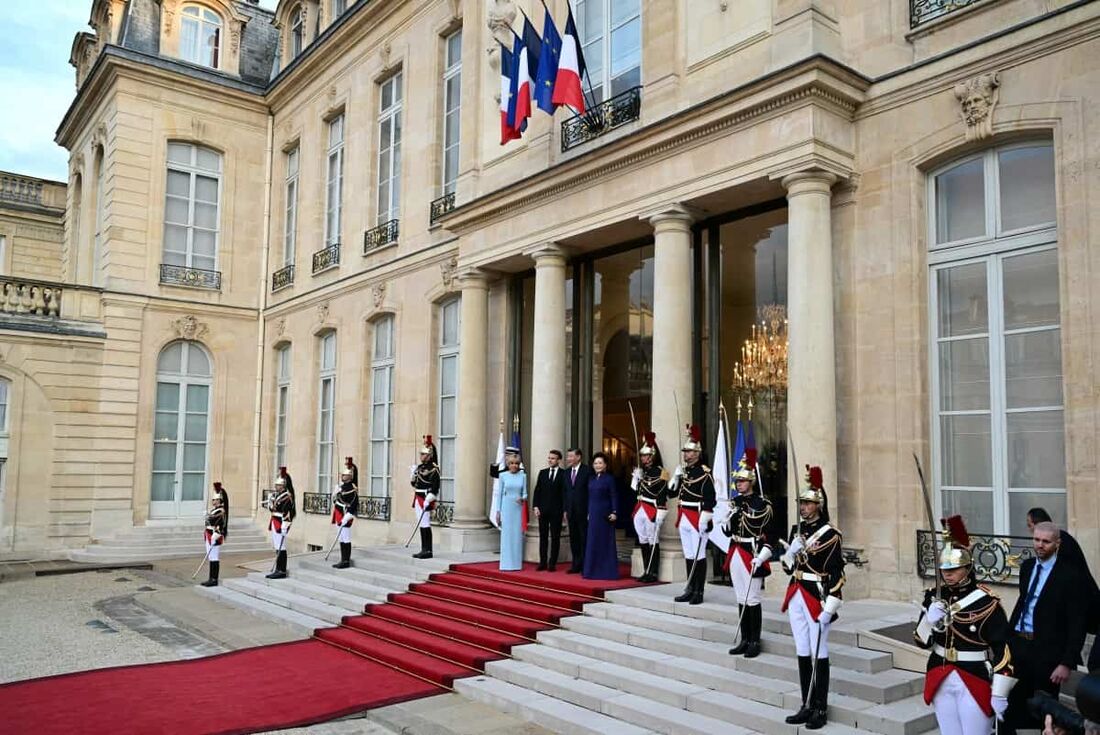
389,148
191,206
5,387
452,104
97,244
326,413
334,186
381,404
290,228
611,39
200,35
999,437
338,8
4,255
297,31
282,403
449,318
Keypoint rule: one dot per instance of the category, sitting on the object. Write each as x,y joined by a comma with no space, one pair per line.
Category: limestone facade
832,118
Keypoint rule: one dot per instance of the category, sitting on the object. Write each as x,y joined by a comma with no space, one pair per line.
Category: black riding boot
345,556
820,694
756,623
700,583
213,580
654,563
645,563
746,628
425,544
689,591
805,673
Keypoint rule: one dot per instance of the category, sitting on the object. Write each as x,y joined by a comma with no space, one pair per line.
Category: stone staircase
638,663
153,542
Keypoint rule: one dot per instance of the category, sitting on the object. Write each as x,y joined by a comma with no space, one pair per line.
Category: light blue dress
512,487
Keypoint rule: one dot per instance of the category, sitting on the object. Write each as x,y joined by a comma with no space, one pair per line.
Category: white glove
677,472
825,617
635,478
412,470
348,518
705,517
762,556
429,498
215,537
754,565
1000,704
937,611
796,546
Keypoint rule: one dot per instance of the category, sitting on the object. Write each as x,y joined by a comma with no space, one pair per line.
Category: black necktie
552,474
1038,573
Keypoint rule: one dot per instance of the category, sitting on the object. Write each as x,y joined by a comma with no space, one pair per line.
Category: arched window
200,35
180,431
297,31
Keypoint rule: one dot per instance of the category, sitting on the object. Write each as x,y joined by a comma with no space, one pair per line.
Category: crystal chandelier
762,369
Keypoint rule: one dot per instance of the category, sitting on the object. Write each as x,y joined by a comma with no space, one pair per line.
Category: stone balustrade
20,189
34,298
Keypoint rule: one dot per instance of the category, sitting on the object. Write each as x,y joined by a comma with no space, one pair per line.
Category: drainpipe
261,285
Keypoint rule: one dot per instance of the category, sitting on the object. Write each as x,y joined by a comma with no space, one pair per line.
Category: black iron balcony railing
997,559
318,503
178,275
327,258
441,206
383,234
282,277
374,509
922,11
443,514
619,110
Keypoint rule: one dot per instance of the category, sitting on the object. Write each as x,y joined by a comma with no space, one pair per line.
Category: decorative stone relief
235,38
198,128
322,313
447,270
500,15
977,97
456,9
280,327
167,13
384,55
379,294
188,327
78,163
99,136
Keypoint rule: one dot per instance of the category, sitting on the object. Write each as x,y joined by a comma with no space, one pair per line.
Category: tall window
999,442
200,35
290,234
452,101
282,403
4,390
3,255
326,413
381,402
97,246
611,37
389,149
448,394
297,31
338,8
191,206
334,187
180,430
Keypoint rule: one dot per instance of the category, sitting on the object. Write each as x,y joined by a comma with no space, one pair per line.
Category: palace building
294,236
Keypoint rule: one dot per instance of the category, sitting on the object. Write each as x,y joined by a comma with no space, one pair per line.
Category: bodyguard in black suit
577,475
1048,626
549,504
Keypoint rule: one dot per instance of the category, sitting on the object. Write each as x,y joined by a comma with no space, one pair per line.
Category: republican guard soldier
751,528
425,483
214,535
283,508
650,482
345,506
693,483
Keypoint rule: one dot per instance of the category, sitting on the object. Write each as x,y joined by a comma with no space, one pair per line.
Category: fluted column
671,390
470,463
548,429
811,404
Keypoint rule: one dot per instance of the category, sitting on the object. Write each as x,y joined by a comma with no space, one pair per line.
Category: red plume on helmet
750,457
956,531
217,486
649,438
282,472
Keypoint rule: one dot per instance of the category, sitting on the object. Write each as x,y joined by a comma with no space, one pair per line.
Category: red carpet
413,646
234,692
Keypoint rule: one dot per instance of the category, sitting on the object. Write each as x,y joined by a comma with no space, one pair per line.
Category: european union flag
547,72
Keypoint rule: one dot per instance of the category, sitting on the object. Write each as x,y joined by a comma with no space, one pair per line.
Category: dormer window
200,36
297,31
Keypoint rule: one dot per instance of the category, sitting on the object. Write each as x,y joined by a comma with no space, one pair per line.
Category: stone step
342,580
533,706
307,586
304,624
101,554
276,595
363,572
189,539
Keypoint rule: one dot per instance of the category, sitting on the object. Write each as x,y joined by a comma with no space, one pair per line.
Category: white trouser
425,518
956,711
213,551
645,528
278,539
690,539
746,587
805,629
345,534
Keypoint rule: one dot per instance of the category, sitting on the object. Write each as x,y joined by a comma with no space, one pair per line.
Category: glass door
180,432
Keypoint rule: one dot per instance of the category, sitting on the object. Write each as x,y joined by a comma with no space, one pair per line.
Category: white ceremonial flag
496,483
720,472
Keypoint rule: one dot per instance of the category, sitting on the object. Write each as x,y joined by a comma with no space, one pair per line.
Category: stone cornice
816,81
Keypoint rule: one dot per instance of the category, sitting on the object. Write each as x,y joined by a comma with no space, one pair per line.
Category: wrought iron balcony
374,509
317,503
327,258
383,234
33,298
997,559
443,514
441,206
178,275
282,277
922,11
619,110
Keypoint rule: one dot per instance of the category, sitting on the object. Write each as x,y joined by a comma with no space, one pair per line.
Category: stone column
548,430
811,393
672,356
471,462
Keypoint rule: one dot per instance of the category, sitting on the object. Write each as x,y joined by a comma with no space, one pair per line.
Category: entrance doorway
181,432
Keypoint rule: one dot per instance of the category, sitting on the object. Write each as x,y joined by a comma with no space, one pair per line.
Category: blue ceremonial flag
739,445
547,72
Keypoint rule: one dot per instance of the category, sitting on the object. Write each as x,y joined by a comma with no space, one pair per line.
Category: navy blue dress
601,557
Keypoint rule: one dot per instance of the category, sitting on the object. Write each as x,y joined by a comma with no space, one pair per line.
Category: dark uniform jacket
653,487
216,522
695,489
752,527
347,498
819,569
282,505
426,480
977,627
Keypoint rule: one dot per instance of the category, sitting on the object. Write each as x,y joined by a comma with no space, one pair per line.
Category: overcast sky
36,82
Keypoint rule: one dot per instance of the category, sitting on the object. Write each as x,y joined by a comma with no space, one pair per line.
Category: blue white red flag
507,66
567,84
519,88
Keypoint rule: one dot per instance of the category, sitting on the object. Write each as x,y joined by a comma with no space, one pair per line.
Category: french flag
567,85
519,88
507,71
527,69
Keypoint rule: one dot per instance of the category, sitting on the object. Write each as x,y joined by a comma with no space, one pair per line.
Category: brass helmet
693,439
956,544
746,466
814,489
649,443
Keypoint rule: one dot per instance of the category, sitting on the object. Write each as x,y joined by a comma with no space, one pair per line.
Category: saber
637,445
333,544
282,542
202,562
423,510
676,402
931,519
741,613
810,691
794,461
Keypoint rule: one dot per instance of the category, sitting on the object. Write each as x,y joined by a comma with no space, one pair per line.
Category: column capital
805,182
472,278
674,212
547,253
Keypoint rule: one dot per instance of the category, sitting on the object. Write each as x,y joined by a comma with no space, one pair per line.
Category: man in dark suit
1048,626
549,504
576,505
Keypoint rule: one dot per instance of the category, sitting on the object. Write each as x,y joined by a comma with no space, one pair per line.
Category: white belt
277,515
643,499
807,576
952,654
745,539
694,506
